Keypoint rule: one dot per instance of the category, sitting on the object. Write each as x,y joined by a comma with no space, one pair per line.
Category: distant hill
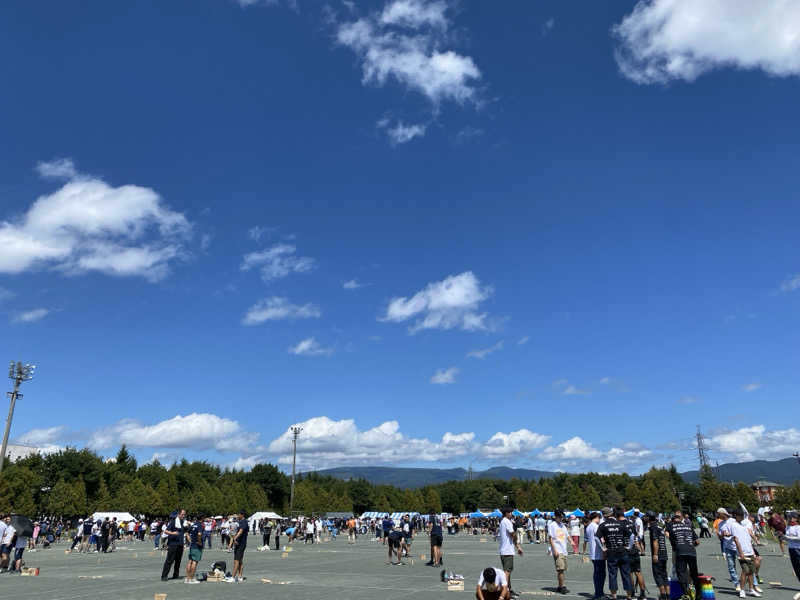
784,471
415,478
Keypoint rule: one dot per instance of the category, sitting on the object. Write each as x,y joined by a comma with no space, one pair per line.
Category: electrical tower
702,451
295,429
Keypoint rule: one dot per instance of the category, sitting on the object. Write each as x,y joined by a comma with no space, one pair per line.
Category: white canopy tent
120,516
256,517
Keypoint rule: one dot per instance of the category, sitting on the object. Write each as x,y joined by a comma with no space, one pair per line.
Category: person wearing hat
558,534
728,546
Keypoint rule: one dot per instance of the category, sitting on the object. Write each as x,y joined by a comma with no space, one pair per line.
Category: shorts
561,563
238,553
660,573
18,553
747,565
394,542
196,554
4,549
507,560
635,563
436,539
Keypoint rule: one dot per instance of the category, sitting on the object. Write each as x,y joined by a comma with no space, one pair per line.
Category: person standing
196,543
508,543
683,539
725,536
778,526
793,538
435,531
575,532
744,549
596,555
615,533
176,534
7,532
208,527
658,548
557,534
105,532
239,544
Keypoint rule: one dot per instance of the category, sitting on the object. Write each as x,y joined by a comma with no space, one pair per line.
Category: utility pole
797,456
17,372
295,429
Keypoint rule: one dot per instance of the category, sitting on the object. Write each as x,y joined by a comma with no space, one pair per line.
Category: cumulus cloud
42,437
31,316
277,308
486,351
663,40
276,262
198,431
404,42
324,441
756,442
573,449
751,387
310,347
516,443
443,376
451,303
88,225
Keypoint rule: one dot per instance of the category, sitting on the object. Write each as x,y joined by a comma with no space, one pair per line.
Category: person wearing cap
492,585
792,536
558,534
658,548
596,552
728,546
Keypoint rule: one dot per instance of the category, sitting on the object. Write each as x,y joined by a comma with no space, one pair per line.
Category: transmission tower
702,451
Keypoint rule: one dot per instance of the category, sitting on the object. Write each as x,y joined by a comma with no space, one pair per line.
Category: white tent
120,516
256,517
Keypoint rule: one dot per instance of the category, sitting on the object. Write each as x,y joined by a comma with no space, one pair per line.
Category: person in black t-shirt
435,525
615,533
176,534
683,538
658,548
635,562
239,544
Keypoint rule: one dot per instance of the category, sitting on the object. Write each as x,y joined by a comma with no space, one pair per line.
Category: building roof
762,483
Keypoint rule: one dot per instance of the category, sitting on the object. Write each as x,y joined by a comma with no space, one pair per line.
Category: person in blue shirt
195,549
239,544
387,527
435,529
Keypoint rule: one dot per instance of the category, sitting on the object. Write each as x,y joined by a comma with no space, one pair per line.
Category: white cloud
277,308
447,304
31,316
629,454
662,40
790,284
443,376
513,444
573,449
325,442
353,284
523,340
42,437
402,133
756,442
88,225
59,168
577,451
751,387
198,431
571,390
310,347
486,351
276,262
548,26
404,43
256,232
606,380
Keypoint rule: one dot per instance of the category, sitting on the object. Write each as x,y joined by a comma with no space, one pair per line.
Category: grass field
335,569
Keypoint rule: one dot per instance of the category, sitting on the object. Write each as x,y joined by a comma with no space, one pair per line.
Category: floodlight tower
17,372
295,429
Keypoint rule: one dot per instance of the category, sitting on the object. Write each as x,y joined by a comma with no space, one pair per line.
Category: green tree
433,501
490,498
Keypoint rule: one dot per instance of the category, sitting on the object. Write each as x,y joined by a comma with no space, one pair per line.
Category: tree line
75,482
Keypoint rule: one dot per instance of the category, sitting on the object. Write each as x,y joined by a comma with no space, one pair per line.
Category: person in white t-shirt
744,548
558,534
492,585
748,524
793,538
508,543
5,543
575,532
595,552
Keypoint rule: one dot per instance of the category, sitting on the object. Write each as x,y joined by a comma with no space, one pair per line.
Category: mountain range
785,471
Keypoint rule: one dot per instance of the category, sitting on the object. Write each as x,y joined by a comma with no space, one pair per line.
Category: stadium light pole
17,372
295,429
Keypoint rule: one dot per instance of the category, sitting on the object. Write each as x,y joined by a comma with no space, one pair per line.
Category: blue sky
433,232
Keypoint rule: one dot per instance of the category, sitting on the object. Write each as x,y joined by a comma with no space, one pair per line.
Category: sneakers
754,593
758,589
191,581
562,590
742,594
796,596
738,587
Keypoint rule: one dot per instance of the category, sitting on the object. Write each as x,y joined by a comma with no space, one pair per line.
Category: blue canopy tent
535,512
577,513
495,513
476,515
631,511
517,513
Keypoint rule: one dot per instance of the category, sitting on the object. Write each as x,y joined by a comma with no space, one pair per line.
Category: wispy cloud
790,284
353,284
278,308
571,390
277,261
486,351
310,347
401,133
548,26
443,376
686,400
523,340
751,387
31,316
